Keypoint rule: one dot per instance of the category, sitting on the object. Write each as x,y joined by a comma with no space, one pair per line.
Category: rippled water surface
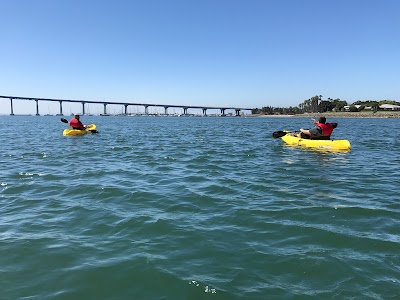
197,208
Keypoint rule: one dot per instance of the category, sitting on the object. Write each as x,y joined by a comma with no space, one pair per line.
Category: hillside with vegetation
317,105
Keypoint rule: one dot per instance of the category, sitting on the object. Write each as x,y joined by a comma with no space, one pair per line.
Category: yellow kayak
335,145
74,132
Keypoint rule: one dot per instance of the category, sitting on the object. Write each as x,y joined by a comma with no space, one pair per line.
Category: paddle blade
64,120
278,134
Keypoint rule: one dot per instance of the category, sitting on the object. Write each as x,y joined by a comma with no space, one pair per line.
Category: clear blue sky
247,53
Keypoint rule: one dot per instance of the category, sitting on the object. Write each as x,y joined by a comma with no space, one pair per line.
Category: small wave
206,288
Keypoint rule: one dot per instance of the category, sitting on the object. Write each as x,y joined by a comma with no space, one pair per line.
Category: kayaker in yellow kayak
321,131
75,123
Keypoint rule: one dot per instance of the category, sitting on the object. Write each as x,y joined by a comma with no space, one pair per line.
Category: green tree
339,104
353,108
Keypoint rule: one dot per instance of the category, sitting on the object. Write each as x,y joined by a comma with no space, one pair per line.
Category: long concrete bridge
145,105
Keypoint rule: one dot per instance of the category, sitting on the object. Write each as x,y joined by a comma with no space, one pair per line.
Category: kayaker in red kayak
75,123
321,131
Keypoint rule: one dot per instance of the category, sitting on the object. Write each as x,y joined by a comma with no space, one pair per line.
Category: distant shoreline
363,114
368,114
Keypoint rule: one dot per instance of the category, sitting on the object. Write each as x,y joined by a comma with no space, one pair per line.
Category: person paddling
321,131
75,123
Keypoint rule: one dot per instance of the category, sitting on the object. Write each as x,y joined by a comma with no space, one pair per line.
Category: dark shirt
316,131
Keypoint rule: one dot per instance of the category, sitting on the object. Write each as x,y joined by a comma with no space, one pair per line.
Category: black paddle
281,133
278,134
66,121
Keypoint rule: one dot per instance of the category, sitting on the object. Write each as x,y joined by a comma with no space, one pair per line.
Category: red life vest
327,128
76,124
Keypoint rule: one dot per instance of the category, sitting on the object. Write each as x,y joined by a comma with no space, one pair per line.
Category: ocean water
197,208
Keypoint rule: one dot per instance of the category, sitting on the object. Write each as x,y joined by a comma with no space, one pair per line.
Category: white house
389,107
347,107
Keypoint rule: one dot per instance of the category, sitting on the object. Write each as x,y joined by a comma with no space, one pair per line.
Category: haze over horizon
209,53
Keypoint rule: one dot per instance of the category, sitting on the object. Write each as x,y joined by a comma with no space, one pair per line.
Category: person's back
75,123
326,129
321,131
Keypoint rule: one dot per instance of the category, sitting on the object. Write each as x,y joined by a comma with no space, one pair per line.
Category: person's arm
305,131
82,127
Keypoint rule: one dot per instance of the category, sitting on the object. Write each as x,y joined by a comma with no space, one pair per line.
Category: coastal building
347,107
389,107
381,107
